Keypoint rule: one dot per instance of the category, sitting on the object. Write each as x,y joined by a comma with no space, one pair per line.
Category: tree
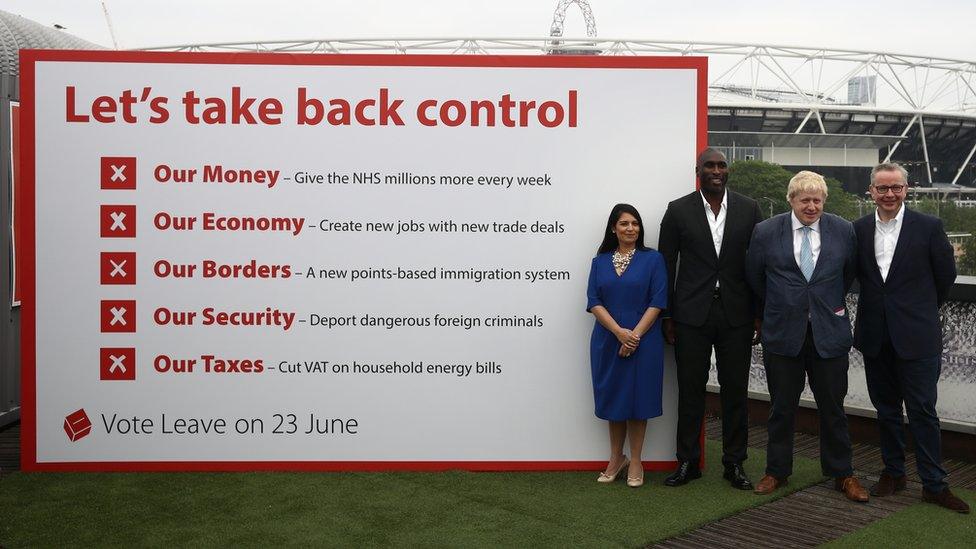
928,206
841,202
966,264
766,183
763,182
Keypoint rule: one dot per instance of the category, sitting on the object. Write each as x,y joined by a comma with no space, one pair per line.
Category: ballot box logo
118,172
117,364
118,221
118,268
77,425
118,315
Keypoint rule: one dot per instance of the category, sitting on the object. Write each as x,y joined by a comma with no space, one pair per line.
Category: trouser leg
693,350
920,380
828,381
733,355
885,390
785,377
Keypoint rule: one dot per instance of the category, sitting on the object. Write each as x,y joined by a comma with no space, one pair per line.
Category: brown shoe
888,485
945,499
852,489
769,484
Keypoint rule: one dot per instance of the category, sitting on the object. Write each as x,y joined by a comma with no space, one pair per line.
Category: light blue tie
806,254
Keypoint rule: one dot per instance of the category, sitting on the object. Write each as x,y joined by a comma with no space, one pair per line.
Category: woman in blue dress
626,292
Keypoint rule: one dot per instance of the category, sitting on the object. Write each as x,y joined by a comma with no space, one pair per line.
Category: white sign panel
333,262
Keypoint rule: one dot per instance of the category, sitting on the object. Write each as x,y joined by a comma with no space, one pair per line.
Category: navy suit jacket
907,303
790,303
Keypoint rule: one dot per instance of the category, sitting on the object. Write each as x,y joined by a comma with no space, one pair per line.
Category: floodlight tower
556,31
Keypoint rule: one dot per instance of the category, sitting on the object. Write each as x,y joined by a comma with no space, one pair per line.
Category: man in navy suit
801,265
905,270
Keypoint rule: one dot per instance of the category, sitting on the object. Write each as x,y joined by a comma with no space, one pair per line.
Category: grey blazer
789,302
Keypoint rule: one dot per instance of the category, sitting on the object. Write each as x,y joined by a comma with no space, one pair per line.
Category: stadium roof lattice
796,77
750,76
19,33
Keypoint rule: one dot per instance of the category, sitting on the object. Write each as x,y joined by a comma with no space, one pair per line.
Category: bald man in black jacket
704,238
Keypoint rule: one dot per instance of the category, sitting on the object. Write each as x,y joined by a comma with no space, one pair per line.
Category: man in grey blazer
801,265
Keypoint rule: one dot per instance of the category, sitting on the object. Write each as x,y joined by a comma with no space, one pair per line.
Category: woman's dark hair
610,242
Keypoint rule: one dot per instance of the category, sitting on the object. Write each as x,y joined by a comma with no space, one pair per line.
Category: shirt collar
898,216
725,200
797,224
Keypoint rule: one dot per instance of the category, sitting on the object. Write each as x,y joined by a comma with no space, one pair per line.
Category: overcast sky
941,28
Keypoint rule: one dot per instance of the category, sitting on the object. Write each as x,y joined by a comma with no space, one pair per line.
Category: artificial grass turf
456,509
920,525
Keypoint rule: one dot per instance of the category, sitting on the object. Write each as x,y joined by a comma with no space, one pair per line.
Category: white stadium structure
837,111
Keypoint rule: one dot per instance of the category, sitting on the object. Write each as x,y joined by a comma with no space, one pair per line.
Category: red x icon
77,425
117,364
118,315
118,221
118,268
118,172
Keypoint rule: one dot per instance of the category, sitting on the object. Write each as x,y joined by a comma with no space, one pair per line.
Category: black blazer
907,303
689,254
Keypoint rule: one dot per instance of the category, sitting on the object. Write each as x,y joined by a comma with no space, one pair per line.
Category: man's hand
757,331
668,327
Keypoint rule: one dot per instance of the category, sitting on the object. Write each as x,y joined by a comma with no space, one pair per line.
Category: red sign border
25,213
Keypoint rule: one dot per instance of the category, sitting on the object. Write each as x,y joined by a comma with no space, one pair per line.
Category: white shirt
886,238
716,223
798,239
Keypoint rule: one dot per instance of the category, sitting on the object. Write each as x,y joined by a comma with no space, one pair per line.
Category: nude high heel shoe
610,478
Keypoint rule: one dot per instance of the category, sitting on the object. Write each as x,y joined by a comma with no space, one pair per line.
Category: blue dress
627,388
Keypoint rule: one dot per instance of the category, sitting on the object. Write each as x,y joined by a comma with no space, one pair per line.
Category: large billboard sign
331,262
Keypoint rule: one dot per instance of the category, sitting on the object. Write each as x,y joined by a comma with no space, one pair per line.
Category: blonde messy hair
806,182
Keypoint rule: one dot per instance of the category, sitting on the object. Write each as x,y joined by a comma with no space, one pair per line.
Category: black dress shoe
685,473
737,477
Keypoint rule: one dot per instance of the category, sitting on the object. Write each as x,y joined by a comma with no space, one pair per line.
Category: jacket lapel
867,237
730,219
826,233
786,243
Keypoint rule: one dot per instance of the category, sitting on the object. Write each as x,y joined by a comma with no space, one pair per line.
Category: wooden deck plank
819,513
10,448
